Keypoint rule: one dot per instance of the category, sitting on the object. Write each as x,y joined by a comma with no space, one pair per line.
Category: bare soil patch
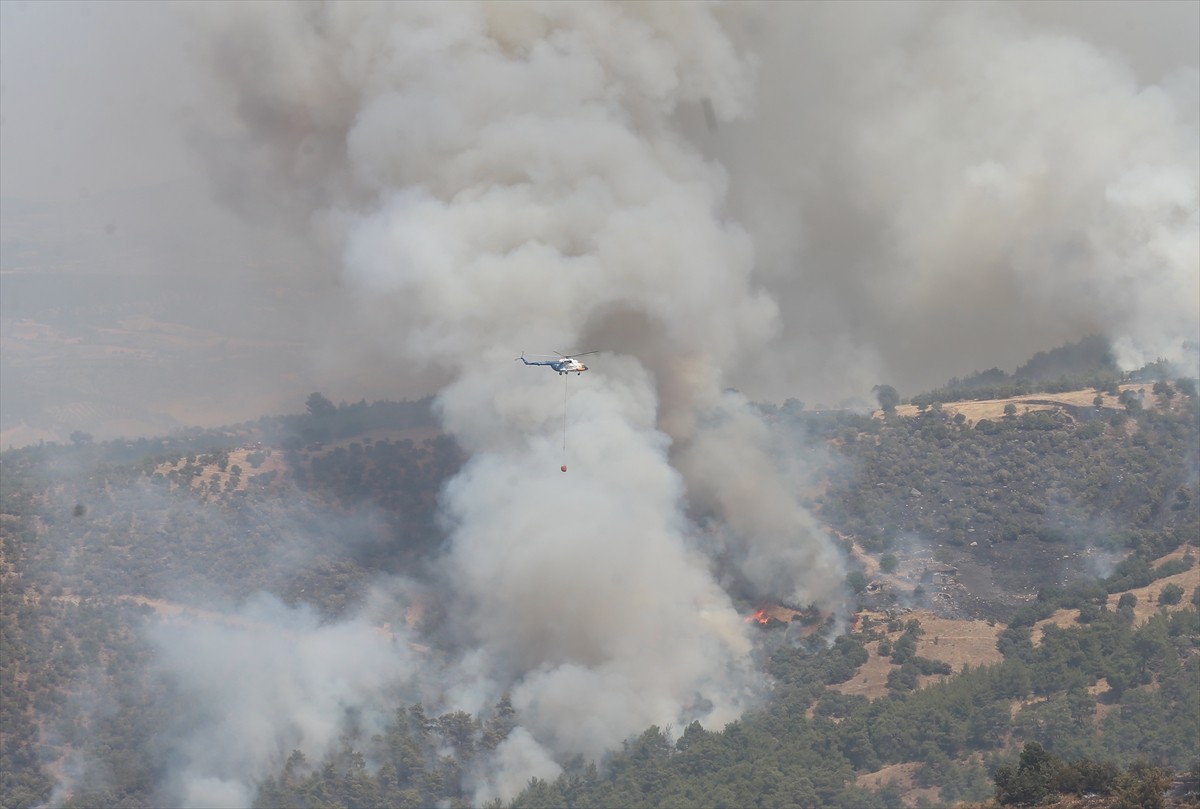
994,408
951,641
1147,597
1061,618
870,680
958,642
904,775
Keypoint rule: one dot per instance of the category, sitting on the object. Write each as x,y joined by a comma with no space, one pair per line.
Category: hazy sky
928,189
95,96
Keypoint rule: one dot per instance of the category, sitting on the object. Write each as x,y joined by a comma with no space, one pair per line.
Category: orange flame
760,616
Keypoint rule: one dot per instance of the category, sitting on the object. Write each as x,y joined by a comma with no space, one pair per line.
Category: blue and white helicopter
564,364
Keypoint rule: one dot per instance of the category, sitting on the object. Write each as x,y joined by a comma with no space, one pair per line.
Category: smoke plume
789,199
947,188
499,178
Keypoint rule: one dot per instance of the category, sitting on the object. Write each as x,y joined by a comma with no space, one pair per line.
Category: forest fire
760,616
773,614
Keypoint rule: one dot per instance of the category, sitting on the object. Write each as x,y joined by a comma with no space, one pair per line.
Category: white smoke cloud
893,192
585,584
945,188
515,177
269,680
517,759
509,178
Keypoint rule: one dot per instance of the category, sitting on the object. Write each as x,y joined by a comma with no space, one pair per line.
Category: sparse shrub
1142,786
1173,566
929,666
903,678
1171,594
856,580
1088,777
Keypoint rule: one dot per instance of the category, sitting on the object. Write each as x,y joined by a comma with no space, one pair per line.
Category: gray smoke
926,182
267,681
502,178
935,189
794,199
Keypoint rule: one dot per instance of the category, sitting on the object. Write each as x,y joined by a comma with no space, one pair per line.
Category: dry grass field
958,642
904,777
994,408
1147,597
974,642
951,641
870,680
272,461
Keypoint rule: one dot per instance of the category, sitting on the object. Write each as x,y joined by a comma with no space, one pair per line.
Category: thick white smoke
268,681
501,178
531,182
949,187
923,189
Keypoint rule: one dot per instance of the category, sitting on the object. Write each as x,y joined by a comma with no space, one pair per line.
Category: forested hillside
1030,501
1070,536
811,746
101,539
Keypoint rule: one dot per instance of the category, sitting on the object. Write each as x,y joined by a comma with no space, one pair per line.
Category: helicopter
564,364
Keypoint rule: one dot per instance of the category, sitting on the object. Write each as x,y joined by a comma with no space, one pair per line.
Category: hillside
1079,405
1028,581
1030,500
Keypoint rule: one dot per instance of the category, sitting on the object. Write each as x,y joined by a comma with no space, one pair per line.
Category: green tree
1164,392
857,581
1031,781
1142,786
888,398
1170,594
1131,401
318,406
